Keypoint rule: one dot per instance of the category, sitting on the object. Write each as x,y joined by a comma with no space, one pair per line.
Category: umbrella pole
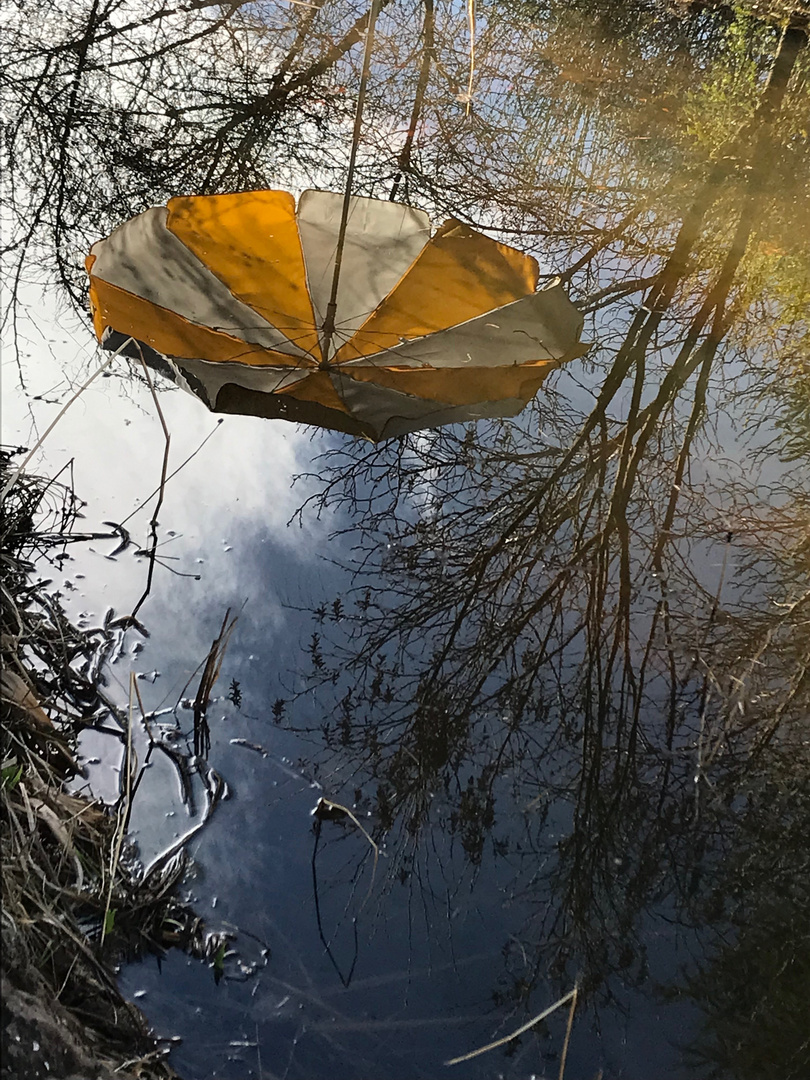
328,328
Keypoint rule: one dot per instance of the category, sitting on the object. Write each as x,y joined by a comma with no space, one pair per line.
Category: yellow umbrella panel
229,295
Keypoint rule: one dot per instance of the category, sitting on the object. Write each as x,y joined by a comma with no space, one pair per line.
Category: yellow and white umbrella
238,297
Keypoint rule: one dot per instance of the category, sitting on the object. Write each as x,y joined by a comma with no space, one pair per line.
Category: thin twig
564,1054
345,979
328,806
520,1031
15,475
171,475
328,328
161,488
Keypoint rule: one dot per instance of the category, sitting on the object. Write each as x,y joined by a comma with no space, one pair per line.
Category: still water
553,670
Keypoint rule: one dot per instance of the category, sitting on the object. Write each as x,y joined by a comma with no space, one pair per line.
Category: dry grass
73,902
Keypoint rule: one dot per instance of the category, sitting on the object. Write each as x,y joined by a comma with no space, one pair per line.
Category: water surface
555,667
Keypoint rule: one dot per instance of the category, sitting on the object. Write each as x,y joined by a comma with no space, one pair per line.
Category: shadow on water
559,672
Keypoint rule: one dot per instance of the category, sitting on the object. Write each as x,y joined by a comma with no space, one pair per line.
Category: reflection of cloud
224,516
114,436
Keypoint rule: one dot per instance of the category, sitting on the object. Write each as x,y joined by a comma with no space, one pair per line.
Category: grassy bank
74,900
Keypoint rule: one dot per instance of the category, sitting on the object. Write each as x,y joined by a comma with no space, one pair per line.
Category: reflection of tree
111,113
497,506
591,624
753,987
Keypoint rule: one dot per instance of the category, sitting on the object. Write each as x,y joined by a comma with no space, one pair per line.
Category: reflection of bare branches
404,161
587,628
326,810
181,102
164,468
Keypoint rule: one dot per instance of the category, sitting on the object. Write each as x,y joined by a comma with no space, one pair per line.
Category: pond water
552,670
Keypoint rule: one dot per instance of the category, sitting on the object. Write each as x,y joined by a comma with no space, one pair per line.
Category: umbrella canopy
231,296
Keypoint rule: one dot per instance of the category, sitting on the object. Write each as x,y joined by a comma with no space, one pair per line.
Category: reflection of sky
416,999
430,948
239,481
223,514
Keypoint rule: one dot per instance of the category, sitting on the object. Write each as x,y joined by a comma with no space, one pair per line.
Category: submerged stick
570,996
